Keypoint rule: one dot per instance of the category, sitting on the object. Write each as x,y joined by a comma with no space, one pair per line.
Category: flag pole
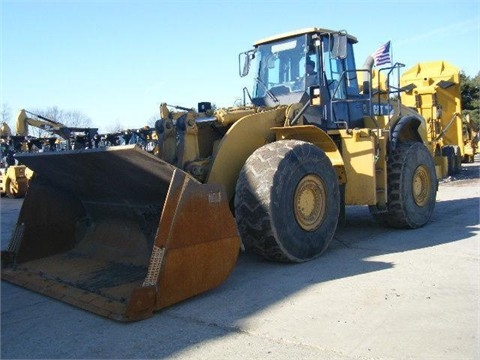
391,53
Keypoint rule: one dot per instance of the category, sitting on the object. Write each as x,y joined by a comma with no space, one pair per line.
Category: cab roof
300,32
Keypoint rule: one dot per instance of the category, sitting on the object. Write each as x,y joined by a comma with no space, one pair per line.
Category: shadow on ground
34,326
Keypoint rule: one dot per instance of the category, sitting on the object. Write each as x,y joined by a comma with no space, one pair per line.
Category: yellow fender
253,131
241,140
318,137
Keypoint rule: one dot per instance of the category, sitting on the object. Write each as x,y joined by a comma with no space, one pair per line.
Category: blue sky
116,61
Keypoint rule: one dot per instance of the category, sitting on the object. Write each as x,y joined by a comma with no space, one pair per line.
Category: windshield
282,68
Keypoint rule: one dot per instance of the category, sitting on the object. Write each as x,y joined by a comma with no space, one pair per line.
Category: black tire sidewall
458,159
302,160
417,155
449,152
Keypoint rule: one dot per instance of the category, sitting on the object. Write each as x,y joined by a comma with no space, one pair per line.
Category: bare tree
118,127
70,118
6,113
152,120
115,128
76,118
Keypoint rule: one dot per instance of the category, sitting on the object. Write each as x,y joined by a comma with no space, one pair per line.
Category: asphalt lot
377,293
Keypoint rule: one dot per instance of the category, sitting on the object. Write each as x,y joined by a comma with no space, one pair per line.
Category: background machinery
125,232
74,137
470,139
14,176
433,89
145,137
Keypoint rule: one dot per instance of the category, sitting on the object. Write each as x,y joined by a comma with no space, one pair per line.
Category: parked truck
433,89
125,232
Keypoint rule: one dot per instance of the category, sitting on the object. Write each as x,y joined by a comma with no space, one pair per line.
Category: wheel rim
421,186
309,202
13,188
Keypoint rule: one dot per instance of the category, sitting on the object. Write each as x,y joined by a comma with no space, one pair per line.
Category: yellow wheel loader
433,89
124,233
14,177
470,140
14,181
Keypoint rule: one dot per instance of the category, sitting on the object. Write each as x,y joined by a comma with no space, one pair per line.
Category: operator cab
290,65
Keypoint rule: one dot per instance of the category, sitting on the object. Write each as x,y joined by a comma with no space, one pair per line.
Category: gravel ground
375,294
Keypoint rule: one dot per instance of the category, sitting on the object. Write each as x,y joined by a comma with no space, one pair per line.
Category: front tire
287,201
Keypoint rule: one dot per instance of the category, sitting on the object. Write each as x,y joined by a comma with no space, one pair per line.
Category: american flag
382,55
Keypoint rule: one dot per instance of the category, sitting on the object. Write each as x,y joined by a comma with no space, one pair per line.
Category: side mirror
244,62
339,50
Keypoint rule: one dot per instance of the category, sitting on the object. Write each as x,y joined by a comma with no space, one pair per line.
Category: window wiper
269,93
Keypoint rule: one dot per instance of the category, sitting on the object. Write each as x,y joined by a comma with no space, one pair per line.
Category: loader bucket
119,232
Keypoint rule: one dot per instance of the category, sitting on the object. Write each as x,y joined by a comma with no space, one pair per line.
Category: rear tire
449,152
457,167
412,187
287,201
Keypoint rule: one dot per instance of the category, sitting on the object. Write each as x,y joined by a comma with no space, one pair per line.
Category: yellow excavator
75,137
124,232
